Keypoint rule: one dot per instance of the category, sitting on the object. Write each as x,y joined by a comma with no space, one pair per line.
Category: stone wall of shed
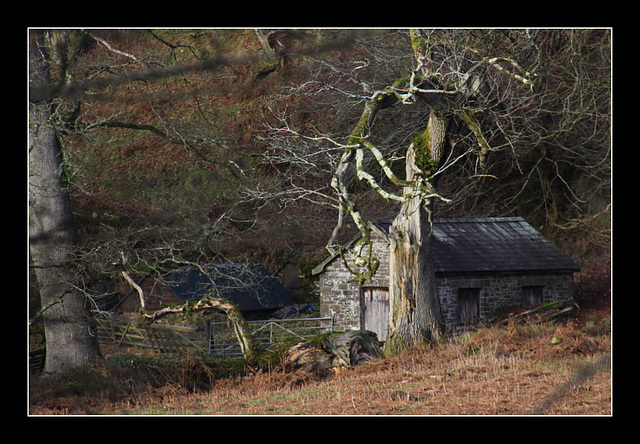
340,295
500,292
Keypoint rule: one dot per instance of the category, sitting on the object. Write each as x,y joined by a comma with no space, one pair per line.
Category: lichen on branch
413,186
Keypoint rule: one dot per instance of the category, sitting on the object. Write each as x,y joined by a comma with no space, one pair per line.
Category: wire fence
223,342
117,332
216,338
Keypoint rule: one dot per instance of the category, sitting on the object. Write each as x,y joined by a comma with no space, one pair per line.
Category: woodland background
204,162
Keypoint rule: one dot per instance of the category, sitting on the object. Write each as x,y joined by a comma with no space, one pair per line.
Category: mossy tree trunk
414,312
415,315
447,80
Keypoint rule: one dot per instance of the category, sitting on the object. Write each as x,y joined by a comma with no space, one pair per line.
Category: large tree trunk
415,316
414,309
69,342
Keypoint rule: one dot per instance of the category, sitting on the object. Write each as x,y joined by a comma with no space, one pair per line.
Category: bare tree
427,120
51,230
58,95
84,83
460,111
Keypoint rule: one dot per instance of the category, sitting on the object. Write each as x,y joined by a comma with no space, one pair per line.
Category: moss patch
423,159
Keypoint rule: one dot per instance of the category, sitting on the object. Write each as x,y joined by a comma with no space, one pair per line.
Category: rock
352,348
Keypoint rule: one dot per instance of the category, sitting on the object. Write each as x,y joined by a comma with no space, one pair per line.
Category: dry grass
515,370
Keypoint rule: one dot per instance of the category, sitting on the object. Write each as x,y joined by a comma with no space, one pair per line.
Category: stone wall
500,292
340,295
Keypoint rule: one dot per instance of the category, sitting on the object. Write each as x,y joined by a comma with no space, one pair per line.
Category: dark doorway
468,306
531,295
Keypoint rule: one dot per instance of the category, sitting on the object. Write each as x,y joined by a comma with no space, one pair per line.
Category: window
532,295
468,306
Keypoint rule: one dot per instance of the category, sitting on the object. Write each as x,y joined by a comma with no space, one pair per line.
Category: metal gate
375,305
223,343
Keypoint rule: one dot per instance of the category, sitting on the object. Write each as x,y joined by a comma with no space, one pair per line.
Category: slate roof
249,287
495,244
492,244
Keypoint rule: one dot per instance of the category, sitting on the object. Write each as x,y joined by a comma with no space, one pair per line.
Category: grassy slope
494,371
140,176
137,173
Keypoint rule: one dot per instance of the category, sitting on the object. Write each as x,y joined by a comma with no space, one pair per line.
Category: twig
137,287
112,49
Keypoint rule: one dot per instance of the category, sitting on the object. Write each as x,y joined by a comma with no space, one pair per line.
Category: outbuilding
483,266
250,287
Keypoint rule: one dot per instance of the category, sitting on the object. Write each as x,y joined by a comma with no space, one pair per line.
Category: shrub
593,286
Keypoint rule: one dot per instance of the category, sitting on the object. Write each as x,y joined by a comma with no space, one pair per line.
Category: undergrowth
510,369
519,367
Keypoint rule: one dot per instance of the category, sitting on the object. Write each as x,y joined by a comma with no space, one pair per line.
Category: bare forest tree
65,310
366,124
87,85
461,112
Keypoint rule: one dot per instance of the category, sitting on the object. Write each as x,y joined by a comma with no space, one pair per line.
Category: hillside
211,156
521,369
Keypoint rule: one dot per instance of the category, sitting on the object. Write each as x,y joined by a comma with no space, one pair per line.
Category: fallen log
334,351
562,314
240,328
306,357
352,348
549,311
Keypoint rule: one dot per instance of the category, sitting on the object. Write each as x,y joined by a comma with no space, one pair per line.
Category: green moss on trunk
422,146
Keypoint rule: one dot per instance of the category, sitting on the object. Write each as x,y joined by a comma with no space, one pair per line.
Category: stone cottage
483,267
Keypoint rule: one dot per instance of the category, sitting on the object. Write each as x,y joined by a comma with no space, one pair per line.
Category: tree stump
306,357
336,350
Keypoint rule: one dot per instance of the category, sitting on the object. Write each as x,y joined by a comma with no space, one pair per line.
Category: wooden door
531,296
375,305
468,306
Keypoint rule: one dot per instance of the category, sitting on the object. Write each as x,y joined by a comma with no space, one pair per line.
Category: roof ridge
480,219
385,220
487,244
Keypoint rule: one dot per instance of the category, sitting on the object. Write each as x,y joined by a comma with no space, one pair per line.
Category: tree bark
264,41
414,311
414,308
69,342
415,316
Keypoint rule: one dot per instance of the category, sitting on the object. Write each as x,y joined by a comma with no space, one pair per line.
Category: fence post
270,332
207,332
